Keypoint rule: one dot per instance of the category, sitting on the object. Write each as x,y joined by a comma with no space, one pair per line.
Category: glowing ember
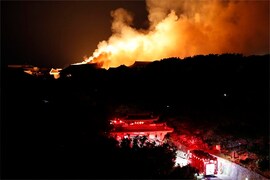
186,28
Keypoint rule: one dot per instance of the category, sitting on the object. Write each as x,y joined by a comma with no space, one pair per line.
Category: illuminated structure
204,162
29,69
55,72
139,125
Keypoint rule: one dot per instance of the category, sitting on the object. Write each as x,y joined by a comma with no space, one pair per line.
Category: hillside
46,120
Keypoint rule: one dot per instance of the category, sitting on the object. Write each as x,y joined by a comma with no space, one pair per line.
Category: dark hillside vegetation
56,128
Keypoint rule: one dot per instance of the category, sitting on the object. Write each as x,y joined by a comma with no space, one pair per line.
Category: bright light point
45,101
210,169
181,162
225,95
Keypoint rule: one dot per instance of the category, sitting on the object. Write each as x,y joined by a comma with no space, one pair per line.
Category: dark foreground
56,128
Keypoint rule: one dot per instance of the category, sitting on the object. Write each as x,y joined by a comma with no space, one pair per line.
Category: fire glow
186,28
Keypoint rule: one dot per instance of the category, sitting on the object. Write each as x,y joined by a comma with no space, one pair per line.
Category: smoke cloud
180,28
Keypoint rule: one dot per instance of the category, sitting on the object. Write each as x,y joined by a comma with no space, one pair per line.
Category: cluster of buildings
37,71
146,124
134,125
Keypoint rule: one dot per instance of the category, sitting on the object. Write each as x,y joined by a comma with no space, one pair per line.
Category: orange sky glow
186,28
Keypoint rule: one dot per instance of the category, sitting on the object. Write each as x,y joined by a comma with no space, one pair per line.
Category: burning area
185,28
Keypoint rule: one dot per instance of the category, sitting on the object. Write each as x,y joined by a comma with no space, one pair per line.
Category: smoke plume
182,28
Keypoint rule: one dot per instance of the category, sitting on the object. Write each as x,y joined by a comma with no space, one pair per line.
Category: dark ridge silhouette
56,128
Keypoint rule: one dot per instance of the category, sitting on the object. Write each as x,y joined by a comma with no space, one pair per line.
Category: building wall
236,172
150,135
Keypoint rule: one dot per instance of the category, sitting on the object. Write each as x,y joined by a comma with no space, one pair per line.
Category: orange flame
186,28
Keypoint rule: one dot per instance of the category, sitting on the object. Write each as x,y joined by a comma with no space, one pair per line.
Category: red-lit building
139,125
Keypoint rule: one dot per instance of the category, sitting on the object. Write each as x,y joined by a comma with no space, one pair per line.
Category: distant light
225,95
167,106
180,162
45,101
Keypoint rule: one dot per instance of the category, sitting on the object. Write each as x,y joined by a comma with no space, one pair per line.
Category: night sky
58,33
